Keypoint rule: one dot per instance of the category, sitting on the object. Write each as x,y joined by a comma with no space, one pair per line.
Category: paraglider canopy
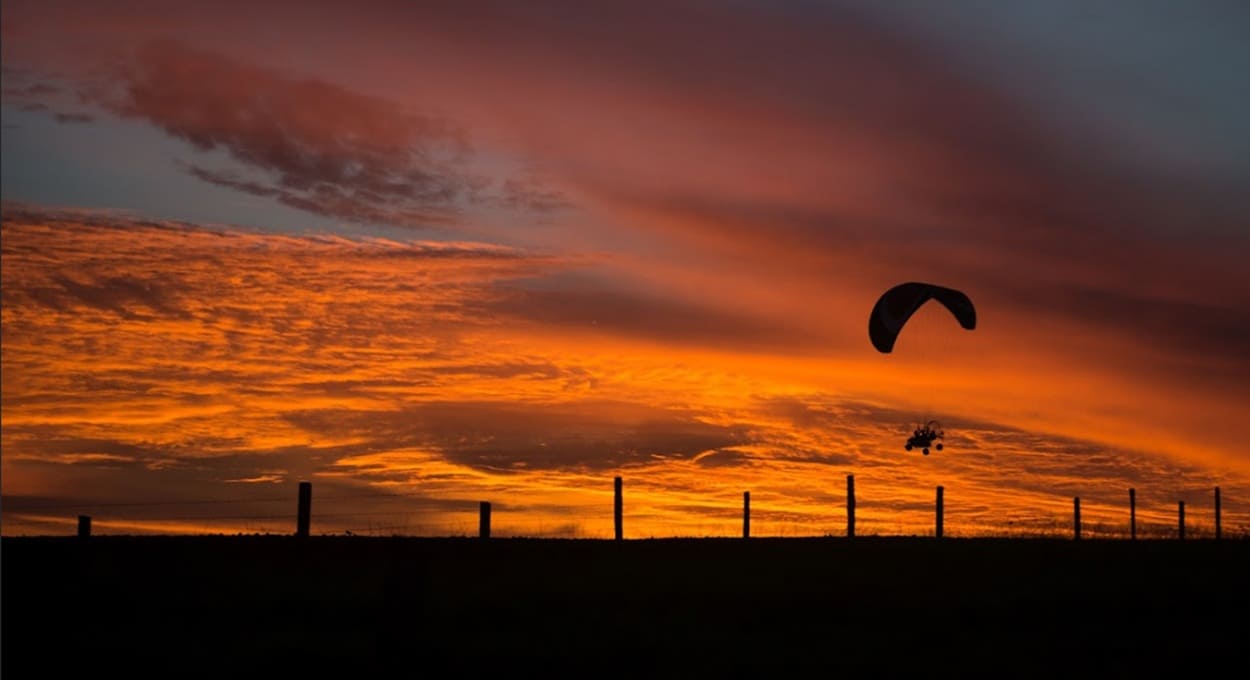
897,305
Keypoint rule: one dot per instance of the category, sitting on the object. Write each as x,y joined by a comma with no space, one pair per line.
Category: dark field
410,607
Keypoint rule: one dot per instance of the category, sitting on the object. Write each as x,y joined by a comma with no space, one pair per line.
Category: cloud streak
146,363
317,146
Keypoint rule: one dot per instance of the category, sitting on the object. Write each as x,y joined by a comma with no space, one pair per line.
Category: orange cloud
150,370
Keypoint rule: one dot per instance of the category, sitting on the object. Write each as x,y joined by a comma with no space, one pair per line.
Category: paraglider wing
897,305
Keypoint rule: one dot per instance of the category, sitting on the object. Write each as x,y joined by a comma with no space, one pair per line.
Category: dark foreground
360,607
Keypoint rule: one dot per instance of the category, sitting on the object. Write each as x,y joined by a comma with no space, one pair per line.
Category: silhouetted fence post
1217,513
746,514
84,526
1180,520
1132,514
303,519
620,533
938,528
1076,518
483,520
850,506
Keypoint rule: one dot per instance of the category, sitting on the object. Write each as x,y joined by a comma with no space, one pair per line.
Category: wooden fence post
1076,518
1217,513
938,532
304,517
850,506
483,520
1180,520
746,514
84,526
620,534
1132,514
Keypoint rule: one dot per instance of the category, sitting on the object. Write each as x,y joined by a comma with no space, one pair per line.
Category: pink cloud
317,146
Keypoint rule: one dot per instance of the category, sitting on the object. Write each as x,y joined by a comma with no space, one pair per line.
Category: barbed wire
1042,525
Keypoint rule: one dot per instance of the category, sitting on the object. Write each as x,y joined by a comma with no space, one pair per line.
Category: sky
424,255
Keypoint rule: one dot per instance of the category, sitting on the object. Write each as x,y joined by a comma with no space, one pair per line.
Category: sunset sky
425,254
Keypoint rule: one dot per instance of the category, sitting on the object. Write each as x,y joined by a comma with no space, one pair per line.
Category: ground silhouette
761,607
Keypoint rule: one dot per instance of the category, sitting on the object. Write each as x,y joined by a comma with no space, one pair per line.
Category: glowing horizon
321,360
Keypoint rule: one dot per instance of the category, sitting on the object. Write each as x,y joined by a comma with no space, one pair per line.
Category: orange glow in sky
409,381
426,255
